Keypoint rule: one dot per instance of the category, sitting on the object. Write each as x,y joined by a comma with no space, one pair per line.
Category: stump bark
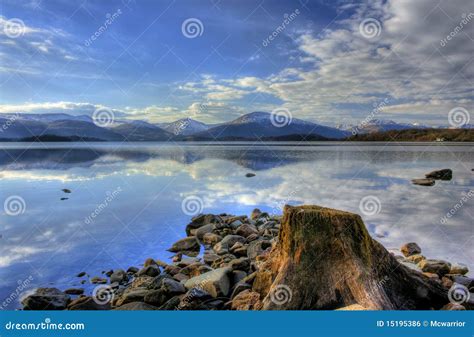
326,259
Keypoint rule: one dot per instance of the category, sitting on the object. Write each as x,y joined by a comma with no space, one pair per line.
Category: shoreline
227,276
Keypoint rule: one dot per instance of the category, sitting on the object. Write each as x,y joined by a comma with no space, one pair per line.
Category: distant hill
184,127
417,135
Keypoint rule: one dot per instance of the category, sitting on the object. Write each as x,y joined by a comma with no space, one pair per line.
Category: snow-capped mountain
378,125
184,127
262,124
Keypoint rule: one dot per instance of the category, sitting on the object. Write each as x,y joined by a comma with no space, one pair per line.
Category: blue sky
321,65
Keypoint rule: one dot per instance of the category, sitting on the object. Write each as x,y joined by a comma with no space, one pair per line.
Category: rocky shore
311,258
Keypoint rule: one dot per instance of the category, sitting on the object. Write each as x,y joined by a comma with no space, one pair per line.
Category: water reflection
52,241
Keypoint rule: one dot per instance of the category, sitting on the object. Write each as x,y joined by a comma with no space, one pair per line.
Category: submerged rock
250,175
46,299
444,174
74,291
423,182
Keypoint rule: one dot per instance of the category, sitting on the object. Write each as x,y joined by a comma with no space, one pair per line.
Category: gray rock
237,276
74,291
87,303
416,258
223,246
98,280
172,287
439,267
119,276
410,248
423,182
132,295
256,213
250,175
444,174
136,306
201,231
156,297
189,246
211,239
81,274
194,299
46,299
239,287
216,282
246,230
257,247
201,220
411,265
172,303
459,268
152,271
132,270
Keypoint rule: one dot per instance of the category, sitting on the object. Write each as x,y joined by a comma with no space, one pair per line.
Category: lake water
126,201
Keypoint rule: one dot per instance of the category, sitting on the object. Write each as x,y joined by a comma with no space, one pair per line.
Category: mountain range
252,126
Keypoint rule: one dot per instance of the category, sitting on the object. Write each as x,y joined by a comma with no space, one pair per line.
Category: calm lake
131,201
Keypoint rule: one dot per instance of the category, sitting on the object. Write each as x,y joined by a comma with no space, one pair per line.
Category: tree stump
326,259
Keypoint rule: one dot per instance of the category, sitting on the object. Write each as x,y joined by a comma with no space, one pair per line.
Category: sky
332,62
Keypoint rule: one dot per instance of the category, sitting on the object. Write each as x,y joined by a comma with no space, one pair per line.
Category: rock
215,282
81,274
201,220
416,258
181,277
446,282
149,262
423,182
237,276
132,295
241,251
250,175
247,300
193,300
246,230
459,268
119,276
252,237
189,246
242,263
136,306
87,303
187,261
177,257
160,263
46,299
257,247
223,261
432,276
224,245
352,307
444,174
209,258
453,307
74,291
66,190
172,287
98,280
236,224
439,267
132,270
171,304
201,231
239,287
410,248
152,271
156,297
108,273
256,213
461,279
211,239
142,281
411,265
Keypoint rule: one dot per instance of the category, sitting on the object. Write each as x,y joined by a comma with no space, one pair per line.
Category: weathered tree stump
326,259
